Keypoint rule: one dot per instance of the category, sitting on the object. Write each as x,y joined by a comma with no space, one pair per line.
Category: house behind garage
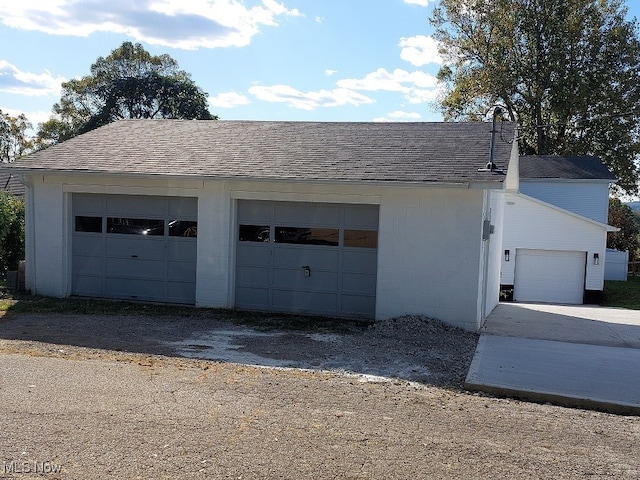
555,228
369,220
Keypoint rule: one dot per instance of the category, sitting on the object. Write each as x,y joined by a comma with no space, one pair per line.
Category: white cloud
308,100
228,100
422,3
394,81
420,50
328,72
399,116
171,23
15,81
417,86
319,19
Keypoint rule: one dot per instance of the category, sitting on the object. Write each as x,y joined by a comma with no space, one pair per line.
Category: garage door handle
134,256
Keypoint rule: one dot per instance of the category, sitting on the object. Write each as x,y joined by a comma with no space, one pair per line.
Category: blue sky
320,60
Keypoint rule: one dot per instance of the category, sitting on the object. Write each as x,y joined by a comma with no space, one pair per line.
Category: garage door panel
136,206
358,283
361,216
183,250
144,247
88,285
253,297
136,268
88,245
358,305
360,261
252,276
254,255
181,271
313,302
254,212
295,279
83,265
181,292
549,276
87,204
318,258
183,208
135,288
302,215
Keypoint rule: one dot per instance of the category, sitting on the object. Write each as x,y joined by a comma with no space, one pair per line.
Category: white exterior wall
47,237
534,225
589,199
431,257
495,254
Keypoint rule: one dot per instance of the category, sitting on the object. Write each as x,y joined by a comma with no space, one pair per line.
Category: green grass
622,294
25,303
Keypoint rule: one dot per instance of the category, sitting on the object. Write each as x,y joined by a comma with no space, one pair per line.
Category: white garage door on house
313,258
549,276
135,247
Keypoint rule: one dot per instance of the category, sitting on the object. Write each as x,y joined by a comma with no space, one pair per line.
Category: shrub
11,232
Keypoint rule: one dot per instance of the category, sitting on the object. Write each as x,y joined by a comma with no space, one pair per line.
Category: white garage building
368,220
555,230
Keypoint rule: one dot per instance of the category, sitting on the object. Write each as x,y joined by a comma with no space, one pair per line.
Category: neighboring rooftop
9,183
564,167
334,151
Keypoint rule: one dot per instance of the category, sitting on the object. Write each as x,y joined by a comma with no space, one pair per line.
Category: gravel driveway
116,397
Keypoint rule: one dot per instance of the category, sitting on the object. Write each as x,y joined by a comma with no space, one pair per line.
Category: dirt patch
112,397
409,348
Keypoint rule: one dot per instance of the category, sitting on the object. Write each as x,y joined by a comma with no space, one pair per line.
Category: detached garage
551,255
367,220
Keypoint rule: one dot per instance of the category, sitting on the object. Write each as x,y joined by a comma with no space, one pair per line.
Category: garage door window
180,228
89,224
253,233
135,226
361,238
308,236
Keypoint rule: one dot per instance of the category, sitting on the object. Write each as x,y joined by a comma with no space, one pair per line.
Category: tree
129,83
567,70
621,216
13,138
11,232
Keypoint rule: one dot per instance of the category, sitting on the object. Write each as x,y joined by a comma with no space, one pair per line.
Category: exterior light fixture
506,255
596,259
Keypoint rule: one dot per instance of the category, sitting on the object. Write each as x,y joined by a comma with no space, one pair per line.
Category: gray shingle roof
564,167
9,183
332,151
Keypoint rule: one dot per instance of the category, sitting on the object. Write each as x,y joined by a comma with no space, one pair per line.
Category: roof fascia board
58,174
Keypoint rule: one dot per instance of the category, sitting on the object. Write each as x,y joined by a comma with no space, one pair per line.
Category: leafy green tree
621,216
11,232
14,141
129,83
566,70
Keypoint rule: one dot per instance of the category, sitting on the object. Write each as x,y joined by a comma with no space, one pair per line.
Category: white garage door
549,276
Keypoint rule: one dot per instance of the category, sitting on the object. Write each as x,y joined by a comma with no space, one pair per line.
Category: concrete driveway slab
572,374
581,356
